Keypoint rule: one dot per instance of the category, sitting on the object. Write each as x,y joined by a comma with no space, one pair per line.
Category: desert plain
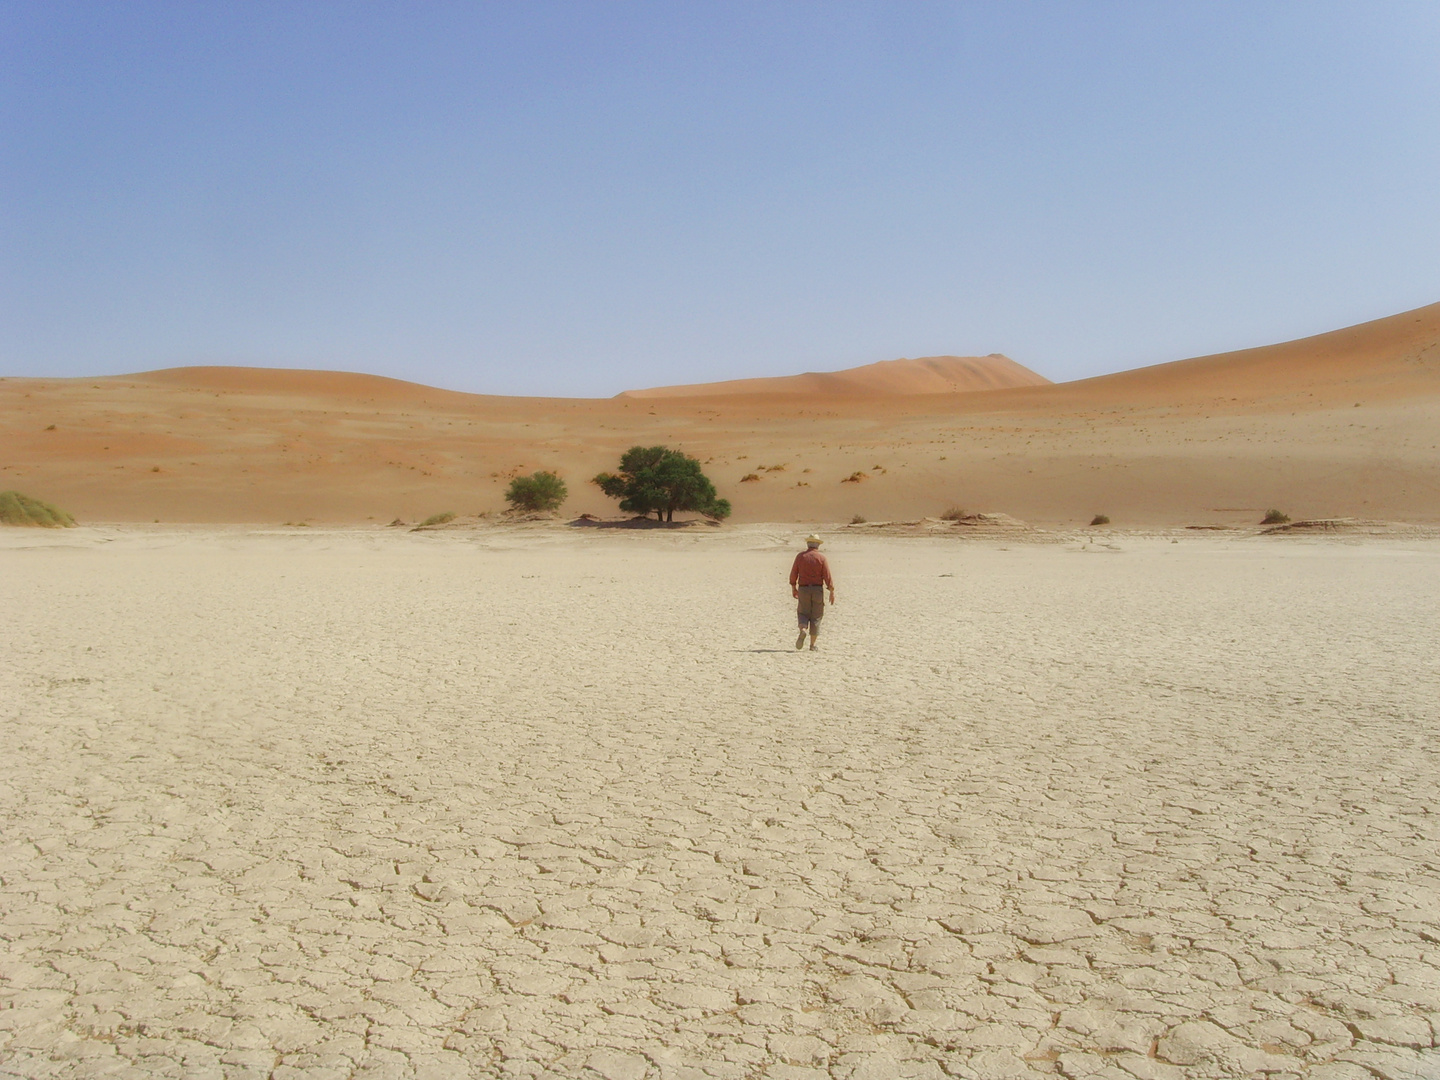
528,802
337,798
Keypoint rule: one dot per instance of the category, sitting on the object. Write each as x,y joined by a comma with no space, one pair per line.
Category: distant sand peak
921,375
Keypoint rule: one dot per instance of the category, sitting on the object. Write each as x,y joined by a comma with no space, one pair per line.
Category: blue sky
579,198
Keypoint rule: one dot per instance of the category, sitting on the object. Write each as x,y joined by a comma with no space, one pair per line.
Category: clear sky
579,198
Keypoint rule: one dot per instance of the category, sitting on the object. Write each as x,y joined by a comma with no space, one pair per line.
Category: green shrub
663,480
537,492
18,509
1275,517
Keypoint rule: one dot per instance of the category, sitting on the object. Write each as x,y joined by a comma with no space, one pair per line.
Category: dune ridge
1397,356
1337,425
922,375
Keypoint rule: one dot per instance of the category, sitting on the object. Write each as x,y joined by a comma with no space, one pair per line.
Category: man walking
809,576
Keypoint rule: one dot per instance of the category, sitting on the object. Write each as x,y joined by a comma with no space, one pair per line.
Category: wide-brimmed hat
813,539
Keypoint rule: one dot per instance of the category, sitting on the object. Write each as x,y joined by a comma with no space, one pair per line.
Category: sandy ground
363,803
1343,424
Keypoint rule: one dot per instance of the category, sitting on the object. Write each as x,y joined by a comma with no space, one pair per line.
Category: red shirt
810,568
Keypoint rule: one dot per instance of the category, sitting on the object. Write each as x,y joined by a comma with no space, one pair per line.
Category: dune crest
293,382
1394,357
1337,425
923,375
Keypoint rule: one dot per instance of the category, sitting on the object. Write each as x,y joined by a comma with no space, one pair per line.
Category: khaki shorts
812,605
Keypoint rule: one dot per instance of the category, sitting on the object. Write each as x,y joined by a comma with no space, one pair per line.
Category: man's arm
794,577
825,577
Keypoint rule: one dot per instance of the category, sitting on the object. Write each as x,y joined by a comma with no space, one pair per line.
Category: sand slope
925,375
1342,424
1392,358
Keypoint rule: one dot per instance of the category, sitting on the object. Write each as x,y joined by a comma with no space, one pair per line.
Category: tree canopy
656,479
538,491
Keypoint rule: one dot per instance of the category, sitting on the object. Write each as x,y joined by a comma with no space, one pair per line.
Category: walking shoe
813,646
800,641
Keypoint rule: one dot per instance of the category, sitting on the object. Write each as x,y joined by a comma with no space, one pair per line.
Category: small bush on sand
855,478
539,491
18,509
1275,517
438,519
858,519
749,478
1100,519
955,513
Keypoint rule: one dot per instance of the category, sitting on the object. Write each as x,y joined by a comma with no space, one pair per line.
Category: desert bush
1100,519
749,478
1275,517
437,519
955,513
536,492
855,478
656,478
18,509
858,519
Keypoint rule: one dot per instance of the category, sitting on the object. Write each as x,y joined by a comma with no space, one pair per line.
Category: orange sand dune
1392,358
924,375
1345,423
291,382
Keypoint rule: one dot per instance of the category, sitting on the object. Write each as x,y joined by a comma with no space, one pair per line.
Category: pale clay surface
366,804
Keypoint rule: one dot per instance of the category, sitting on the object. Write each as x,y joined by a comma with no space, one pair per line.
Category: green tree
538,491
660,480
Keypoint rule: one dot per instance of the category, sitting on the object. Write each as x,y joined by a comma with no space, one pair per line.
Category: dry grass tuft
18,509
